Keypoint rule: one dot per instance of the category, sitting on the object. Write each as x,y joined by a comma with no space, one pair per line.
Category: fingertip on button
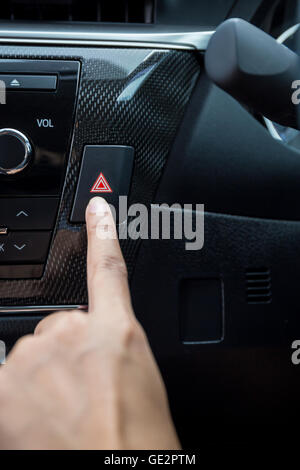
97,204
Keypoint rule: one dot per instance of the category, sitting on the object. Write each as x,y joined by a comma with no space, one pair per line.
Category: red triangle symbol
101,185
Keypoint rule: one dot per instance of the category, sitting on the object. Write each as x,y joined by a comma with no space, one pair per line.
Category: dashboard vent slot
96,11
258,285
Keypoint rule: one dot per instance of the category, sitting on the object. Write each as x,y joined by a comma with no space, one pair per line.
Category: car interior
188,102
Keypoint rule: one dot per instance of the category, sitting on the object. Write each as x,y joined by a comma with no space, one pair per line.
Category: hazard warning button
101,185
105,171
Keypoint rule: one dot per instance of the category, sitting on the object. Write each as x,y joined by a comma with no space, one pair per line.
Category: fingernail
97,205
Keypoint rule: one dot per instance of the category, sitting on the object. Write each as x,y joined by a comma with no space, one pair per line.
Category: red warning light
101,185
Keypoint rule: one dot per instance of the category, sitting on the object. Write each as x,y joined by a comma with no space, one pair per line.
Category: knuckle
76,320
140,336
23,349
71,326
131,334
24,344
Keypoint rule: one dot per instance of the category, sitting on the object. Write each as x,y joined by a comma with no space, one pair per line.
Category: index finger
106,269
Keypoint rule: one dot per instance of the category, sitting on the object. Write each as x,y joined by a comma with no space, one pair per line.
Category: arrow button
22,213
28,213
20,248
15,83
24,247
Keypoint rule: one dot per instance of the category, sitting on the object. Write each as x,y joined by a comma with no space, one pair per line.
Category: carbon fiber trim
126,97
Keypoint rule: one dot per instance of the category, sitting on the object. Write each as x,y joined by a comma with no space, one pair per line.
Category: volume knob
15,151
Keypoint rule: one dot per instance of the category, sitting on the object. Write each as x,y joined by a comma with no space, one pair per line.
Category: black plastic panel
201,311
228,161
191,12
246,386
12,328
21,271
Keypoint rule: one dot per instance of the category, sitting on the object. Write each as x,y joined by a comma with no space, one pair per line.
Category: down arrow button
25,247
20,248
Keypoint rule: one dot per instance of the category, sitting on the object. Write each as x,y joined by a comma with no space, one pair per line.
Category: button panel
24,247
36,128
28,213
45,118
29,82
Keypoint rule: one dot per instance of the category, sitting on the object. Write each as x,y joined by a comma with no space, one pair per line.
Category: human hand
87,380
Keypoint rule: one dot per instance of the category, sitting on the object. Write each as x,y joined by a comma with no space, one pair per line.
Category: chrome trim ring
27,151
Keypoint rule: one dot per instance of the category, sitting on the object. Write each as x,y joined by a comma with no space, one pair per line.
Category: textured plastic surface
126,97
245,386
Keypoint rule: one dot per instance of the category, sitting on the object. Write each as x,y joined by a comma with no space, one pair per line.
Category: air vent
258,285
98,11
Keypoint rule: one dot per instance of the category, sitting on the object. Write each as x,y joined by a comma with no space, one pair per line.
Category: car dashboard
127,97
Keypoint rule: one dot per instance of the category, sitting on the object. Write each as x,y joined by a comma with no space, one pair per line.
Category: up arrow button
35,213
22,213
